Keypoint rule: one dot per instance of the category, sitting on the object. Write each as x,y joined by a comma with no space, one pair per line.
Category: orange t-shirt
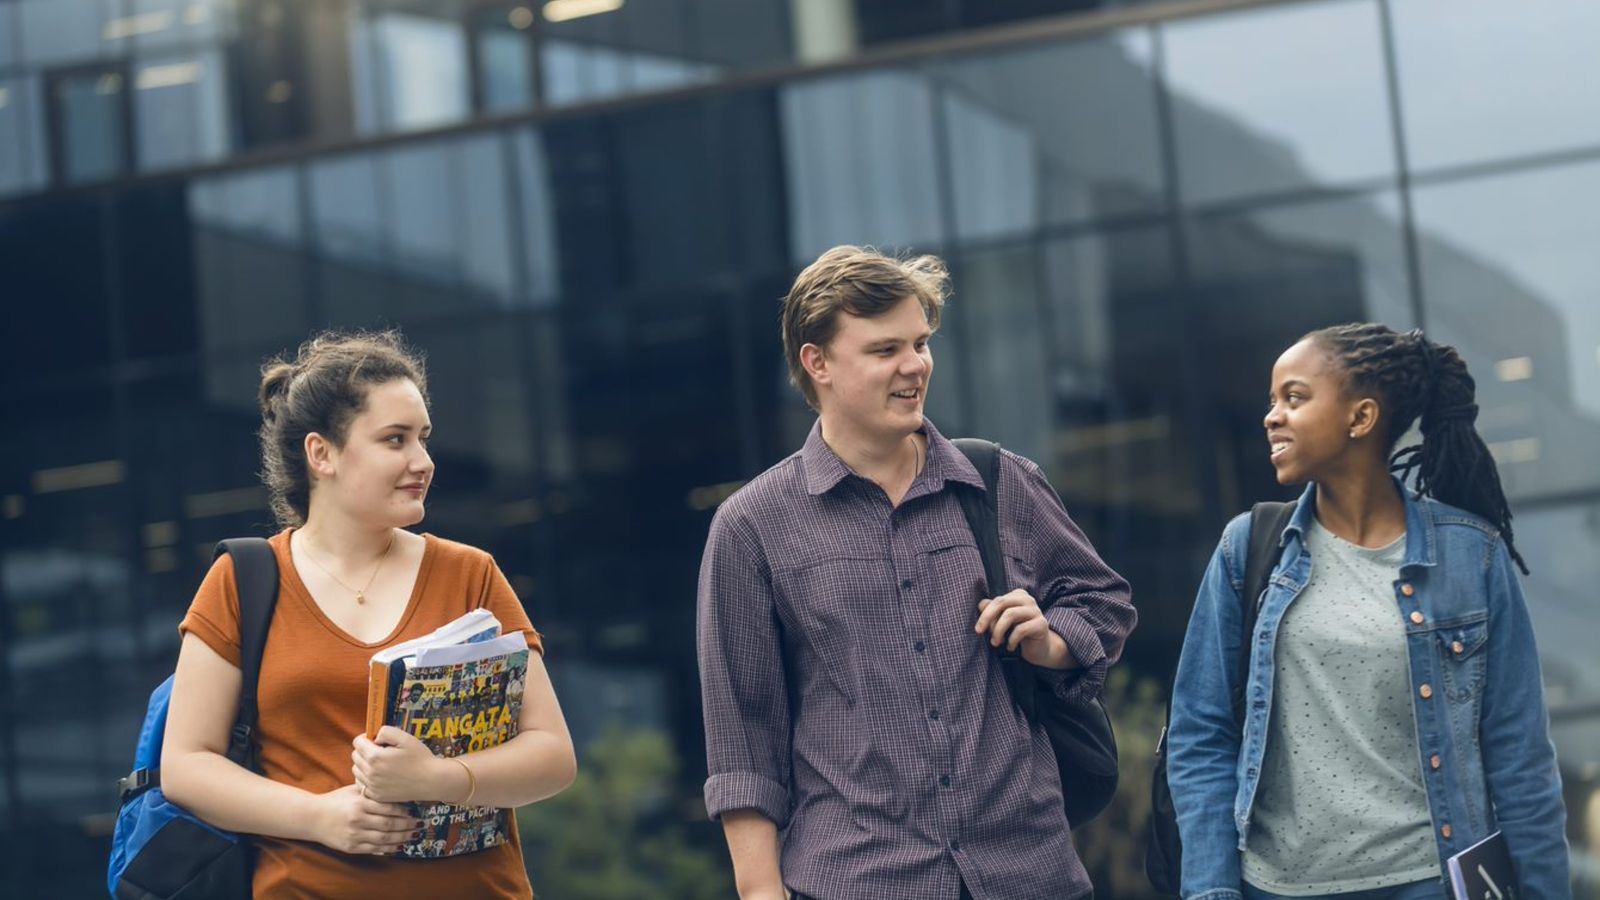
313,702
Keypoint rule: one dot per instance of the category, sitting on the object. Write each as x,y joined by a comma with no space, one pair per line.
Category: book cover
458,691
1483,871
389,665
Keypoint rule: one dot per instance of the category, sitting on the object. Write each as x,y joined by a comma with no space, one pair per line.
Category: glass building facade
587,222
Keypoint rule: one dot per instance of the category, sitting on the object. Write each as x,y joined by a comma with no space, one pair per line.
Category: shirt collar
824,469
1419,524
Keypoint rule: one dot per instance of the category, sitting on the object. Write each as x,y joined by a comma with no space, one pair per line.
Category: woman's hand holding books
349,821
399,768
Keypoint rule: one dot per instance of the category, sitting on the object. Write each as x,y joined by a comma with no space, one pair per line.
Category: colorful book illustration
1483,871
458,690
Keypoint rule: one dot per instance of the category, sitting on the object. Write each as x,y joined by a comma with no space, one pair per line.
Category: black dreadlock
1414,377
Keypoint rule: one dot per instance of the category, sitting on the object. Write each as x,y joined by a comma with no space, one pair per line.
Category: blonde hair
859,281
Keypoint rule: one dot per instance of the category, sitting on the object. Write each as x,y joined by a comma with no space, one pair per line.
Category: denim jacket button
1407,589
1435,761
1444,830
1426,691
1457,647
1417,618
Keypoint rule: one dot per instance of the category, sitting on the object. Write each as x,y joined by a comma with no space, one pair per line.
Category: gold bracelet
472,780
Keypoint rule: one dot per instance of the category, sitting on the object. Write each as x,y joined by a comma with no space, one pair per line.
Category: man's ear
814,360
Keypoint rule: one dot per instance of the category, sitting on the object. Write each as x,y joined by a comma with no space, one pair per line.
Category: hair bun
275,378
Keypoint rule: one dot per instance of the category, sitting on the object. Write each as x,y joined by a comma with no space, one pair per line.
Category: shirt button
955,845
905,585
1444,830
1417,618
1426,691
1457,647
944,780
933,714
1406,589
918,646
1435,761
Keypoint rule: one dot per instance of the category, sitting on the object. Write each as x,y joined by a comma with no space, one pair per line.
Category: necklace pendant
361,597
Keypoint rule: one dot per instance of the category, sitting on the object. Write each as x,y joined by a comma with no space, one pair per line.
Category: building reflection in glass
1138,221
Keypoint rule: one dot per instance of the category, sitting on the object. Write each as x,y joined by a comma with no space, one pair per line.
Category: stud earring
1352,435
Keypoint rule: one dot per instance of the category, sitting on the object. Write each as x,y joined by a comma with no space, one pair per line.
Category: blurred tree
1112,846
617,831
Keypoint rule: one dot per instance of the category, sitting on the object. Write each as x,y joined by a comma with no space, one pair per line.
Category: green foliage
1112,847
621,831
618,831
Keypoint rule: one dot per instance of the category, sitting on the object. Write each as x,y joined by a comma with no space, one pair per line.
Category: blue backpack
160,851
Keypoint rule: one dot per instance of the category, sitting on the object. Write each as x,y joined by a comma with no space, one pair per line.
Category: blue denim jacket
1475,685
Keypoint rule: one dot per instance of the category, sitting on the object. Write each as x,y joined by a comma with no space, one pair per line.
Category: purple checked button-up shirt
848,699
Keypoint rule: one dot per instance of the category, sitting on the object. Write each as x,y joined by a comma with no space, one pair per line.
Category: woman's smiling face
1310,416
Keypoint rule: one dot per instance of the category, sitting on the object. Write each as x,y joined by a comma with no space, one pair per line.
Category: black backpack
1080,733
1163,860
161,851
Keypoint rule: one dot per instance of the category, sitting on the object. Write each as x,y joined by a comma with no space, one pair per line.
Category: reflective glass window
54,272
1120,448
1263,278
616,49
487,260
155,262
154,25
579,73
1343,259
504,58
1482,80
1558,544
350,203
412,71
9,31
90,115
1509,269
1019,154
536,216
250,261
56,32
859,151
67,565
181,110
345,210
423,221
23,163
1281,98
483,409
631,516
744,33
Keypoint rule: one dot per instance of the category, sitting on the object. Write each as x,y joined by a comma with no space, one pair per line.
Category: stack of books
458,690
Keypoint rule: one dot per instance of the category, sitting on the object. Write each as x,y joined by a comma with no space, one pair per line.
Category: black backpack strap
255,569
1267,521
983,512
983,517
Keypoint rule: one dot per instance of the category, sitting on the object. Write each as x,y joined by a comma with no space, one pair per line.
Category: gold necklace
361,595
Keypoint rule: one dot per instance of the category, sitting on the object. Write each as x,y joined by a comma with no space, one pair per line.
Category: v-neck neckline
298,589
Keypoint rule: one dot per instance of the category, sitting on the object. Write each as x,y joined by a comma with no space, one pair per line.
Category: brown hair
859,281
322,389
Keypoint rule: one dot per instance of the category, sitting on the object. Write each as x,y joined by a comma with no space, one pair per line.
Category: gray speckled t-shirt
1341,805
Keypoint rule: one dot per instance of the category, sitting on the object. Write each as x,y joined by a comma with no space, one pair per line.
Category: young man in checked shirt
860,737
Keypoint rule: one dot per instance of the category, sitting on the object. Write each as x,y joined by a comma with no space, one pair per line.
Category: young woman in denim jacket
1393,711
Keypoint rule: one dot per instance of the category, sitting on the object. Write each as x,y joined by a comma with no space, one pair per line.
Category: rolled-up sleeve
1086,601
742,685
